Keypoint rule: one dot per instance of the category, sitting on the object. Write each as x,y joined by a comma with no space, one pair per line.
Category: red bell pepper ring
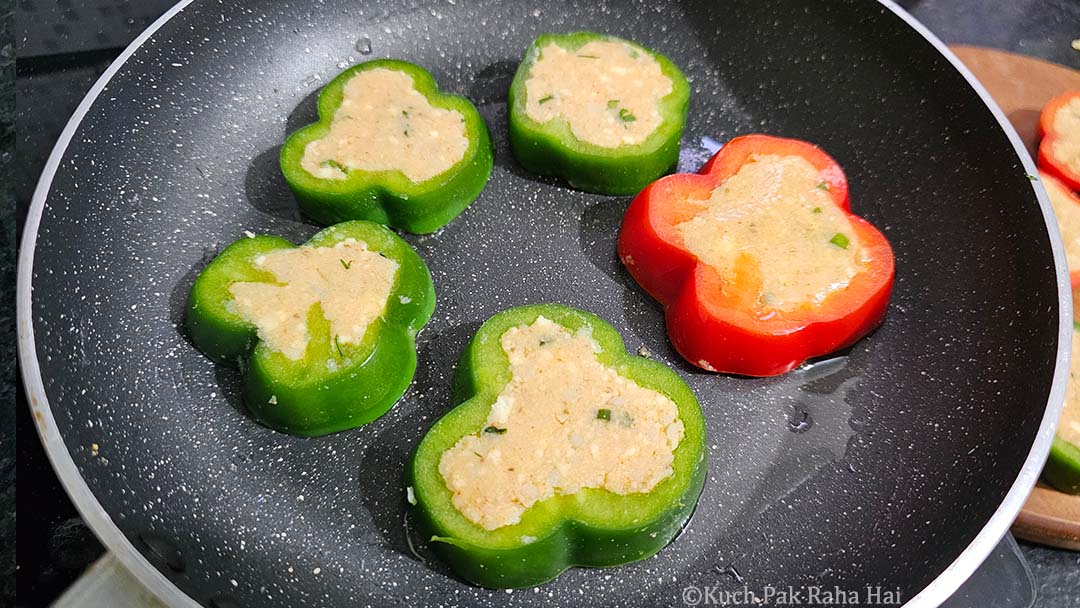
710,318
1050,157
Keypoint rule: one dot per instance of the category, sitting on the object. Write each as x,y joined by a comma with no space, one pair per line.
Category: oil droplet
799,420
363,45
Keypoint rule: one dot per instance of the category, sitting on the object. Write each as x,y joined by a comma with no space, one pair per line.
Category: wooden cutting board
1022,86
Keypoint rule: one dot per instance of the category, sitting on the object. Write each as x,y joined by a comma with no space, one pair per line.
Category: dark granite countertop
63,46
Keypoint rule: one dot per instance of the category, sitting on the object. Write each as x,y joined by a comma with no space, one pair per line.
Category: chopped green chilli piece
334,164
840,240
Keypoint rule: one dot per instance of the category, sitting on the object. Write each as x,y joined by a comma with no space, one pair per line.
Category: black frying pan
883,465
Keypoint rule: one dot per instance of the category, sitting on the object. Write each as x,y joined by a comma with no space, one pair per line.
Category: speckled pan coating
875,467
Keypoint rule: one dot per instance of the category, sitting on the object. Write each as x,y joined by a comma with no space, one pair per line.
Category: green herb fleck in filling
335,164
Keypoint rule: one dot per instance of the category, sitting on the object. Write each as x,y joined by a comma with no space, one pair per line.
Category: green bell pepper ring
333,386
592,527
388,196
552,148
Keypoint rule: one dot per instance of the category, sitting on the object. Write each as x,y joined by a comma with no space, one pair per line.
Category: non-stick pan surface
878,466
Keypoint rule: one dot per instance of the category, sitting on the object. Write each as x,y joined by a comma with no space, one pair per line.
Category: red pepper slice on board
1059,127
712,320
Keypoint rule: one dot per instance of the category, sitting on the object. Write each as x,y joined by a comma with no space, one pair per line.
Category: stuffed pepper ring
389,148
324,333
603,113
563,450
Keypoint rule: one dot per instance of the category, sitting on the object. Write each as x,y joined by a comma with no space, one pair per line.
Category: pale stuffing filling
774,219
1069,426
348,281
608,92
1067,124
1067,212
385,124
564,422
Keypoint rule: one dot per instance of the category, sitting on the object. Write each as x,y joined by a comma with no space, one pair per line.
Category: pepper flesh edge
592,527
388,197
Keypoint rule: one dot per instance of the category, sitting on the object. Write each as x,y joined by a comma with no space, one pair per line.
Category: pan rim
949,580
936,592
